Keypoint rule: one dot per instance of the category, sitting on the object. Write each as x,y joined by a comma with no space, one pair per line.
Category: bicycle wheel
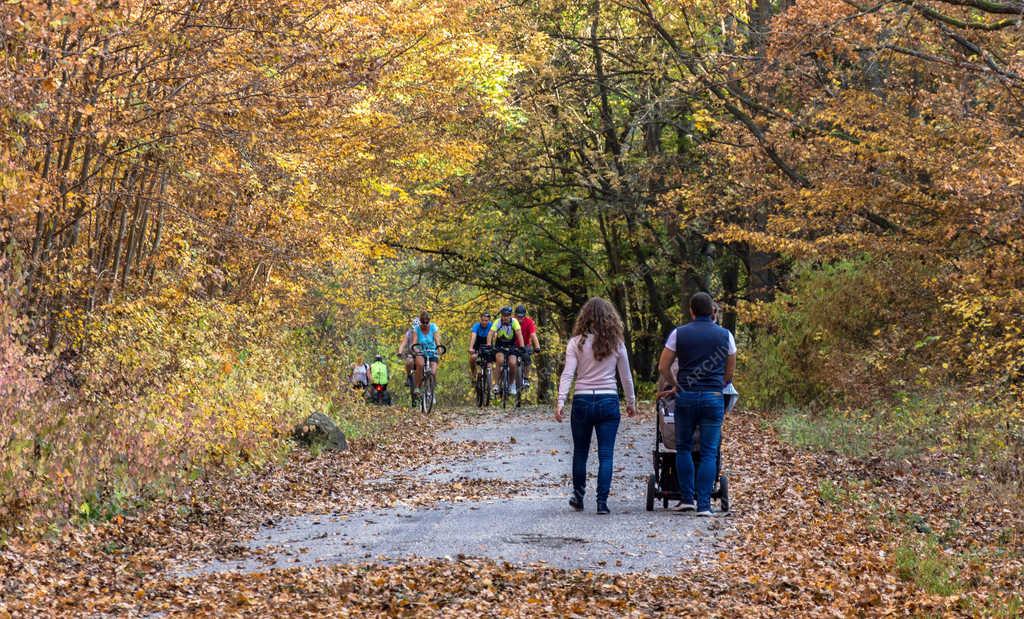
428,393
519,383
424,389
481,387
487,385
504,385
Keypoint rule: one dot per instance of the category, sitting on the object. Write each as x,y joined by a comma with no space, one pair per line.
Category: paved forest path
532,525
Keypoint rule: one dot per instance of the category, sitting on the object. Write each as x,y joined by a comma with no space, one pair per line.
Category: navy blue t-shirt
702,348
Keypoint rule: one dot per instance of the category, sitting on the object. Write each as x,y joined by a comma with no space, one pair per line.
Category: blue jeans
706,409
593,413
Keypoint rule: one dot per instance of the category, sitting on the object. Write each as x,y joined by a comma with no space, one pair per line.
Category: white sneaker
710,513
512,389
682,506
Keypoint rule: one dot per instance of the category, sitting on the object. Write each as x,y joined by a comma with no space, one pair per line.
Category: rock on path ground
534,525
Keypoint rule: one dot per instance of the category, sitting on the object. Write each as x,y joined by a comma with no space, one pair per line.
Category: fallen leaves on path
108,567
812,535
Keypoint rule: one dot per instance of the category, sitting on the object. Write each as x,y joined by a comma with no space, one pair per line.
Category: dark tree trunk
730,275
544,363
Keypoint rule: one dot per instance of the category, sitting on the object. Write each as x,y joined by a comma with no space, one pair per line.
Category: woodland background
207,209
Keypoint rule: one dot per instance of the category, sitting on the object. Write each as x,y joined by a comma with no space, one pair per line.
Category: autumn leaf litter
787,550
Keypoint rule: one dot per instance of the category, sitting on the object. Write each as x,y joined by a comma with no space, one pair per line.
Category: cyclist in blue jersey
429,338
477,340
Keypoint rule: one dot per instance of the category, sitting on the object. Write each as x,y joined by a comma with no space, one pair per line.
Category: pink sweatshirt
592,374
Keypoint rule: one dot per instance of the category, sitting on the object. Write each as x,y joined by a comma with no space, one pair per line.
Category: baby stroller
663,484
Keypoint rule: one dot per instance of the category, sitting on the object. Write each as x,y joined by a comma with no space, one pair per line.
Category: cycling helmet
486,314
520,311
415,323
506,311
379,357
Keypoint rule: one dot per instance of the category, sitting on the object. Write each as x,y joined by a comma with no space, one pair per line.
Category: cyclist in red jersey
530,341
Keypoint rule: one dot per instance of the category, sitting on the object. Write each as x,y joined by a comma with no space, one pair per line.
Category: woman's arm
626,378
567,375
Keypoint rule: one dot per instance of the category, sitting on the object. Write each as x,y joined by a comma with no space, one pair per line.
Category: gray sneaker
710,513
683,506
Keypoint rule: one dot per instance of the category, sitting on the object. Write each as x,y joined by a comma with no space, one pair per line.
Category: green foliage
924,562
837,493
830,432
829,491
453,385
977,434
646,391
828,317
996,605
97,506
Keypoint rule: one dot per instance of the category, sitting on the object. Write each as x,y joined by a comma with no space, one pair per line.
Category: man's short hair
701,304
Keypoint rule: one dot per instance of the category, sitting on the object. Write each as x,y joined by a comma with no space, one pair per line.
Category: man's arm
472,340
665,367
730,367
519,338
534,341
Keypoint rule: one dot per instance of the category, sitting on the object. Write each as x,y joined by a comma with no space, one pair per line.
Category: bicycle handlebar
440,350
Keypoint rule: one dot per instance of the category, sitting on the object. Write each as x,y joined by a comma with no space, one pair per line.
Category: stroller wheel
651,488
723,493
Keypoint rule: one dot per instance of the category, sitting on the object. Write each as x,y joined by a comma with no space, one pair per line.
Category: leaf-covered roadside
813,534
101,566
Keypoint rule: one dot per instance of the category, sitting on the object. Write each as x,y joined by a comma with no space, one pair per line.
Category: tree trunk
544,363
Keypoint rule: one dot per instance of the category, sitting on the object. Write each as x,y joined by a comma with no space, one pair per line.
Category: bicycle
410,381
379,394
503,378
429,384
483,376
524,365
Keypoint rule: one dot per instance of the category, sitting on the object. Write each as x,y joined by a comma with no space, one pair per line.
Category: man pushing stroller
706,356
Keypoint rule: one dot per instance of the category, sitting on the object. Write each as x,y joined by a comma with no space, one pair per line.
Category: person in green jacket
379,381
379,372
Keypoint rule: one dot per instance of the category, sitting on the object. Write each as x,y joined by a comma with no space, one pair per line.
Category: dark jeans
593,413
707,410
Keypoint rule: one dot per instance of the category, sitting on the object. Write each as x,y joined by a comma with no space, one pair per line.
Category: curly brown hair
599,319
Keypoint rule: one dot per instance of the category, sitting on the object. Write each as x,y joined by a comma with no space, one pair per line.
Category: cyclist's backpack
379,373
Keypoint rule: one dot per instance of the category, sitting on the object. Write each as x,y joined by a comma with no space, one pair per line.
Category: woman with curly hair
595,351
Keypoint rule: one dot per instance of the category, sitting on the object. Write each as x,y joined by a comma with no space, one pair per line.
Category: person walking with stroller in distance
707,358
594,353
